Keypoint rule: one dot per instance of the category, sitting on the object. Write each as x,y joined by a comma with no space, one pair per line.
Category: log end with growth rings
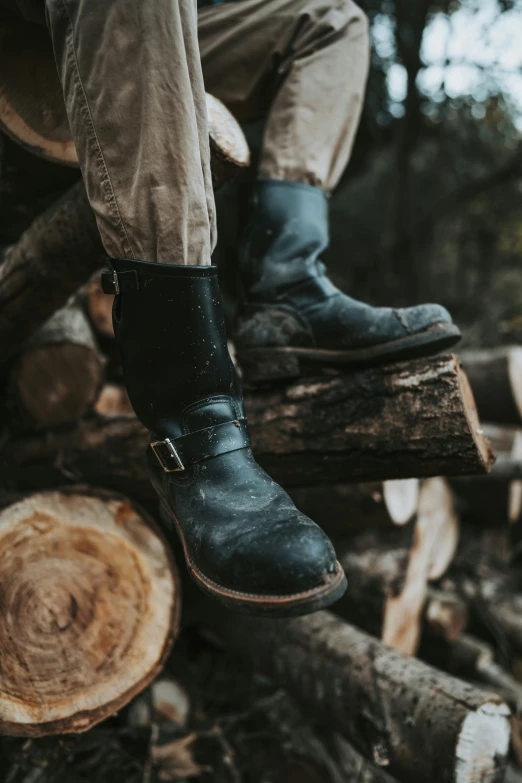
90,605
482,744
472,416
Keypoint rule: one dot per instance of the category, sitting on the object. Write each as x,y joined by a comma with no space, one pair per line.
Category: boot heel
264,365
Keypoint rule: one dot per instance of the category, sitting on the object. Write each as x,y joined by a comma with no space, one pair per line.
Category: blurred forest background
430,207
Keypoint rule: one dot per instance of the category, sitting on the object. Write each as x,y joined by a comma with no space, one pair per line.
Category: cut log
501,437
412,419
388,576
164,702
495,376
114,402
420,724
434,545
53,258
378,576
370,424
32,109
90,604
100,450
495,607
445,615
474,659
485,501
495,500
376,568
340,508
355,767
229,150
57,378
504,441
98,306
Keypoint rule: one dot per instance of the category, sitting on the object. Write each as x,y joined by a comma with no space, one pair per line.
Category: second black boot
292,313
245,542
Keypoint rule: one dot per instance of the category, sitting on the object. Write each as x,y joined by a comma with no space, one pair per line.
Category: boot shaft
287,232
170,326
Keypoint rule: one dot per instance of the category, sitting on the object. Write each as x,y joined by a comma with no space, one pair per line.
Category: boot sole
270,364
292,605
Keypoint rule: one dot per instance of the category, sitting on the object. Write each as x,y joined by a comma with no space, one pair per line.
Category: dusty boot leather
292,310
244,540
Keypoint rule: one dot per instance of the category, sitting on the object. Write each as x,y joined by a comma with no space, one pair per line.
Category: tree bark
413,419
58,376
57,254
495,376
419,723
90,603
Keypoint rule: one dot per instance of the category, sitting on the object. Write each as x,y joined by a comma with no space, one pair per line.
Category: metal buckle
156,448
116,284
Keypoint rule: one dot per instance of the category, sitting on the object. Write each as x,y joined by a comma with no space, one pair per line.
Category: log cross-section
90,605
58,376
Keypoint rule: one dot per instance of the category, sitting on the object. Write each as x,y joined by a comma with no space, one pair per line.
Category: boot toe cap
422,317
291,557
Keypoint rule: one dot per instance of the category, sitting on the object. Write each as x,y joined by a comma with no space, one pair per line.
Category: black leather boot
244,540
293,314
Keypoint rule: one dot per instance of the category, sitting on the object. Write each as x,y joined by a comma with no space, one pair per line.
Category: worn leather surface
241,530
288,298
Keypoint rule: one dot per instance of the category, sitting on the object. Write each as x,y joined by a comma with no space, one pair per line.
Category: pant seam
105,179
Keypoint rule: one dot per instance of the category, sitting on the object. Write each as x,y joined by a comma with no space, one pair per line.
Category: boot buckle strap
175,455
167,456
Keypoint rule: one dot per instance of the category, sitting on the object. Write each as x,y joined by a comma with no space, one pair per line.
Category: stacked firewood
414,672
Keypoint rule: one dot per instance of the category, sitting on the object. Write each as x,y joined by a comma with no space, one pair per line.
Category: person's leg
135,99
303,64
133,87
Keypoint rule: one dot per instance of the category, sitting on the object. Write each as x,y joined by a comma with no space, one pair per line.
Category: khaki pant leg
133,89
301,63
